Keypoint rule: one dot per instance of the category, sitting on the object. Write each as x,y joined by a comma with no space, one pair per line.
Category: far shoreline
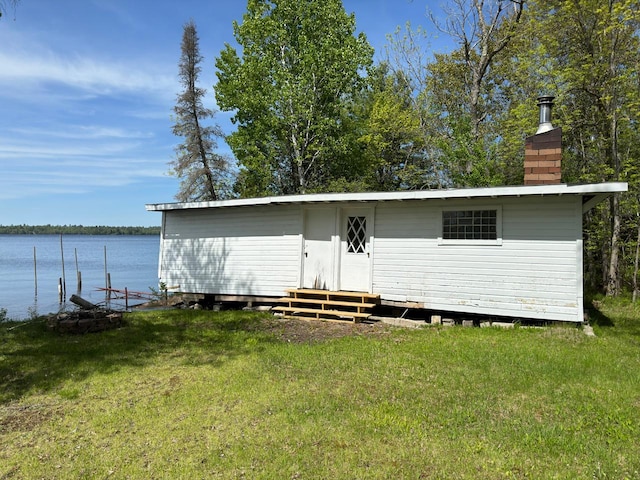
77,230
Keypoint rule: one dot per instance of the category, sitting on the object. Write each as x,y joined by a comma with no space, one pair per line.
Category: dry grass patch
312,331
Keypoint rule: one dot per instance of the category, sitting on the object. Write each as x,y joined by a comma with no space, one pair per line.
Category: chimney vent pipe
543,151
545,103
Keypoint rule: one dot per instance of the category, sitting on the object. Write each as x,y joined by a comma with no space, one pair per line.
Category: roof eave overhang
592,193
590,201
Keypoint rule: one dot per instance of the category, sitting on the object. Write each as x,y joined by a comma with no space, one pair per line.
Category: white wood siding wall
235,251
535,273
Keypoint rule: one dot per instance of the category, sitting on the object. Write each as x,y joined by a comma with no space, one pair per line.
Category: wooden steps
327,305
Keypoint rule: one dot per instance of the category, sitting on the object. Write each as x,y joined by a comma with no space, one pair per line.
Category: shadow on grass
595,316
34,359
619,312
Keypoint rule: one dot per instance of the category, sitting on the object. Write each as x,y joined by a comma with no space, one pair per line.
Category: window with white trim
469,225
481,225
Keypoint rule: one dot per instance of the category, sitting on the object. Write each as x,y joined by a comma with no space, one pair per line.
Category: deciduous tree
407,60
482,29
392,135
479,100
290,89
459,94
595,48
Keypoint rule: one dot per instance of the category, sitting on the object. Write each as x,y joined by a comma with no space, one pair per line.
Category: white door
319,251
355,249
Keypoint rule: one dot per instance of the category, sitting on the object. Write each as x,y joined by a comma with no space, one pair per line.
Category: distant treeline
76,230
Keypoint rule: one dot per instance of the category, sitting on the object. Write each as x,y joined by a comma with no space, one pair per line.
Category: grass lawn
198,394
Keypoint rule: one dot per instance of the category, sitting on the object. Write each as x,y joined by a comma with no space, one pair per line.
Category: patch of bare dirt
24,418
297,330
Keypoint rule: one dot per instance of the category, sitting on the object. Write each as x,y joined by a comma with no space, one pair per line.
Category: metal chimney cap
546,99
545,103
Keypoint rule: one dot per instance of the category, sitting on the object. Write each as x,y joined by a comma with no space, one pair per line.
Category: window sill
496,243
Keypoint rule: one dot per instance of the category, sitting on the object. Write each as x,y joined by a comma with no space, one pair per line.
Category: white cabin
506,251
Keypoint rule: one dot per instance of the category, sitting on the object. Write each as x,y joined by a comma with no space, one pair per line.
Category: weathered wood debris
89,318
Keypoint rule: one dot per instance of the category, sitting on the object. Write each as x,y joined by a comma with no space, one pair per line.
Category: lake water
132,262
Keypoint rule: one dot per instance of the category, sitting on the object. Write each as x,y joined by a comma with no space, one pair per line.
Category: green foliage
478,108
467,148
593,48
392,135
309,120
459,111
290,90
160,293
469,161
76,230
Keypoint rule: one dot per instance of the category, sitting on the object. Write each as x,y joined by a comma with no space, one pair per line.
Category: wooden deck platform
327,305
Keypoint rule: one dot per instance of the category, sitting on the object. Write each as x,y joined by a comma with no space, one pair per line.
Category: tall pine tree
202,171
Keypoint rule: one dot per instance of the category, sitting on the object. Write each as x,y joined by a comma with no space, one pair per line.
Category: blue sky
87,89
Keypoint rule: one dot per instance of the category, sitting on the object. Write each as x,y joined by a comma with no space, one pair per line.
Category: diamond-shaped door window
356,234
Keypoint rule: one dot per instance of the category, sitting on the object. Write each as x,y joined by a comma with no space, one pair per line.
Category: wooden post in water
35,271
78,274
60,289
126,298
64,280
106,279
109,287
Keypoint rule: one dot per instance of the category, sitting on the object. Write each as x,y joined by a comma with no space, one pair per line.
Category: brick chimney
543,151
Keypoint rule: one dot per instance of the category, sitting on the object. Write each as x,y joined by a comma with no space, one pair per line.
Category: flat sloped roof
593,194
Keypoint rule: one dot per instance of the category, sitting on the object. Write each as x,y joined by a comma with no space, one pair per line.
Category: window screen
469,225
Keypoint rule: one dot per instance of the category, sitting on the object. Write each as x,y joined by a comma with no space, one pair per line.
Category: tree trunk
613,274
613,279
635,263
203,153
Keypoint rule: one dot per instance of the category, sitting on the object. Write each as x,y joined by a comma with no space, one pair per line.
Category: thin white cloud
67,123
82,132
41,67
77,176
152,114
46,151
50,162
121,14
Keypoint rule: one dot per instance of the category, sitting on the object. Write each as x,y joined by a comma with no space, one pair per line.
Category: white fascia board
604,189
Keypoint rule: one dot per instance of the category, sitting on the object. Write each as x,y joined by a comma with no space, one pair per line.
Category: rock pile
85,321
